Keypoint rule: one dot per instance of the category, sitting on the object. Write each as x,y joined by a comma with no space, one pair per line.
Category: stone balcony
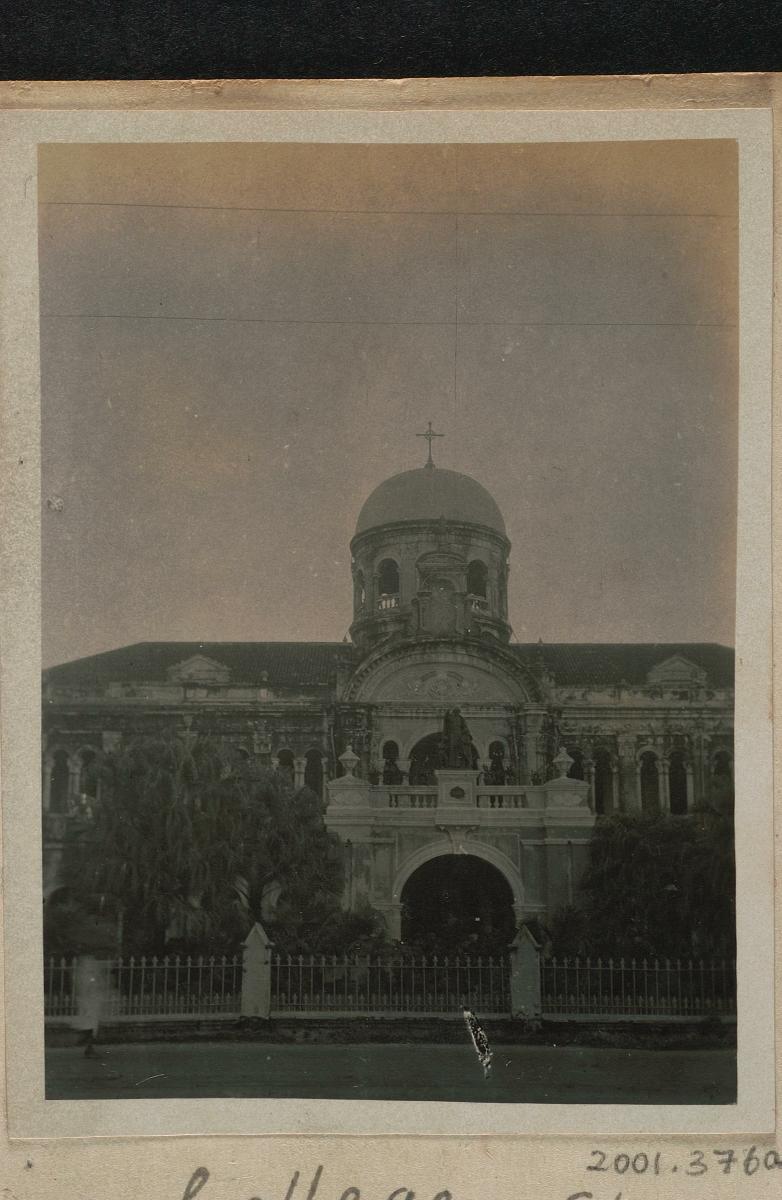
457,798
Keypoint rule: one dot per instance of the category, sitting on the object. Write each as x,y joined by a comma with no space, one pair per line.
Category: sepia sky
239,342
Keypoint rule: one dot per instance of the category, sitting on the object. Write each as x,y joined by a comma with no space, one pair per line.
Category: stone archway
447,847
457,904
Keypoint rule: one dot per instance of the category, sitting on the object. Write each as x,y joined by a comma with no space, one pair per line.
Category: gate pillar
525,992
257,974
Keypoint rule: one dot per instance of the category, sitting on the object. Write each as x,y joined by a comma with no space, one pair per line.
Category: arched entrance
458,903
425,757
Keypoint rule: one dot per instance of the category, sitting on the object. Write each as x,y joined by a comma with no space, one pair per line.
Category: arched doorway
458,904
648,774
677,783
425,758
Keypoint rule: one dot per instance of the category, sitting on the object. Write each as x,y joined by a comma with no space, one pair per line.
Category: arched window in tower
477,579
650,782
388,584
391,771
59,784
313,771
604,781
677,782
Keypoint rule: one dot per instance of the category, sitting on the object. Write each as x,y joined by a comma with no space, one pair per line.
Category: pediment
676,671
440,679
198,669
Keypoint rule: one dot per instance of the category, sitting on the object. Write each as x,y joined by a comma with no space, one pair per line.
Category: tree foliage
188,847
655,886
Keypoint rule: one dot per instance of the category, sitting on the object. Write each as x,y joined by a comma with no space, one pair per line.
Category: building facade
561,734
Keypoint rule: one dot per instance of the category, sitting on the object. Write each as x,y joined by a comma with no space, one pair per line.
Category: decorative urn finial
563,762
349,761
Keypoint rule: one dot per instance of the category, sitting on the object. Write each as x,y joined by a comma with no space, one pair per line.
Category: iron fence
149,986
408,985
638,988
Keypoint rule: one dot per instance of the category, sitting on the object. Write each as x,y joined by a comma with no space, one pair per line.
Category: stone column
664,783
533,725
74,775
629,774
298,772
700,762
614,785
690,787
589,774
324,774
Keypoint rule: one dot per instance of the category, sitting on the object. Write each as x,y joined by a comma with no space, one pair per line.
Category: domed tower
430,559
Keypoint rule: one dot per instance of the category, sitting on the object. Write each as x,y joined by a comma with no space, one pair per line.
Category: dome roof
426,494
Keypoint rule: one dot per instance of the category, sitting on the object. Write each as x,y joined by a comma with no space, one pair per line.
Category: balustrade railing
387,602
486,797
412,798
500,798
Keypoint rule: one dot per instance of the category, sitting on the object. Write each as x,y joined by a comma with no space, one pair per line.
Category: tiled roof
313,664
626,662
281,664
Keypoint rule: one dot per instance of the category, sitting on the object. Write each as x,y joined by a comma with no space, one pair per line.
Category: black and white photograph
388,586
387,746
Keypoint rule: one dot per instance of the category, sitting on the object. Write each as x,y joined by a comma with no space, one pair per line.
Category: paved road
563,1075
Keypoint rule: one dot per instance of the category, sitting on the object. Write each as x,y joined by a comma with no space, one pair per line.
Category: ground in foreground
520,1074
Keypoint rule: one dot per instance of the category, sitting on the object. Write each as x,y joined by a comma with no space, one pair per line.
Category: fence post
525,998
257,974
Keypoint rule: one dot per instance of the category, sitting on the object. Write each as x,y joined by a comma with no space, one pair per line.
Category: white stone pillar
299,765
525,990
257,974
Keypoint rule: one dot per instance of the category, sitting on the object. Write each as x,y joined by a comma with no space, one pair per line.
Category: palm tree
184,844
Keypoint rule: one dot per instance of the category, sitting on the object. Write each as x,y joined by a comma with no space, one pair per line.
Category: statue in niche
459,753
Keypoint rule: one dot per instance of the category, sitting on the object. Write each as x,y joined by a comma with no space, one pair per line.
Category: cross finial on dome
429,435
